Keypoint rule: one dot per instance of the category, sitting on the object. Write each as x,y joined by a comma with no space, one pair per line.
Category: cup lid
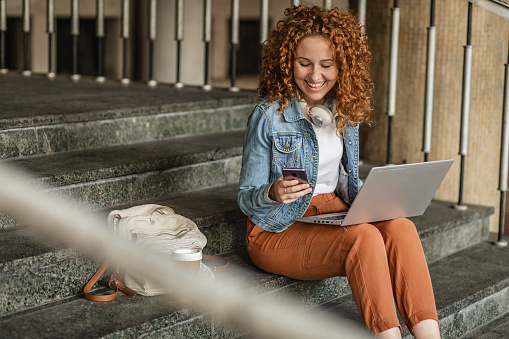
187,254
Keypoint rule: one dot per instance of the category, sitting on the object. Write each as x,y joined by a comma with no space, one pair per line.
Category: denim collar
294,112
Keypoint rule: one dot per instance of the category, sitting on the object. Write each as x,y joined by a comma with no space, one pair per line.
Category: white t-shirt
330,152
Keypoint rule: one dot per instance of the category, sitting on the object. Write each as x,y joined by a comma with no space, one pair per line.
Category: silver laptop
390,192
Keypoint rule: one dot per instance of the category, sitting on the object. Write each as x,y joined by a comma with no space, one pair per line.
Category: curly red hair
350,52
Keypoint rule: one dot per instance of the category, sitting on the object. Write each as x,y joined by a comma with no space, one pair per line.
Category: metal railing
124,35
496,6
500,8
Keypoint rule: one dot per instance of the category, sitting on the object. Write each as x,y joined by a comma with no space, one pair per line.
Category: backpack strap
116,280
93,280
114,283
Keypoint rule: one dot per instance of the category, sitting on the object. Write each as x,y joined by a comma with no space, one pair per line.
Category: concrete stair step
444,230
120,174
495,328
52,116
51,272
139,316
471,288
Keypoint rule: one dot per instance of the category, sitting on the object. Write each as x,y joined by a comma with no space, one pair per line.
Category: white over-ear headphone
321,115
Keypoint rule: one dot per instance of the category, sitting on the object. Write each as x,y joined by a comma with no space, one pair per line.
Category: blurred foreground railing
82,230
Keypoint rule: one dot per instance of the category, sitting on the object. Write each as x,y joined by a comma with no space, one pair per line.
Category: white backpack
162,230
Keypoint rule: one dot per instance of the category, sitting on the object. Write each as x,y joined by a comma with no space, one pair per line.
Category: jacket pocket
287,150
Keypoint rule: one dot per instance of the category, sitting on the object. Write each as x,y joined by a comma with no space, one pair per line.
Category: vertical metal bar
151,82
465,106
235,10
264,20
99,23
206,85
393,73
75,32
428,93
3,29
432,14
100,57
327,4
207,35
179,36
26,16
389,139
504,159
152,34
75,76
178,83
26,38
233,63
50,12
179,22
264,24
125,19
362,13
3,15
125,36
469,24
460,205
125,80
75,20
500,241
99,33
207,19
50,29
152,20
3,67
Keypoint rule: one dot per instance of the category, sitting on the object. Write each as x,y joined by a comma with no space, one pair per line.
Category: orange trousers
383,262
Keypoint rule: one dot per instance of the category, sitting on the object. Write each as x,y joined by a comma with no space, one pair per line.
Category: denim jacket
274,141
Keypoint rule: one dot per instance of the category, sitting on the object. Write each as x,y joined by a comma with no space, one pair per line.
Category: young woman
317,59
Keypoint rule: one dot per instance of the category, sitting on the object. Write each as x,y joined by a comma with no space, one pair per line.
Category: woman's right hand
287,191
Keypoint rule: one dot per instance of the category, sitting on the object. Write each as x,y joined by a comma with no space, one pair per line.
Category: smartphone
295,173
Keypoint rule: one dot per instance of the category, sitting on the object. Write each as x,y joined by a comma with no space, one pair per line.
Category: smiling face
314,69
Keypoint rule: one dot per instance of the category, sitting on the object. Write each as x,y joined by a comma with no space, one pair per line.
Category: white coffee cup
190,260
190,256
